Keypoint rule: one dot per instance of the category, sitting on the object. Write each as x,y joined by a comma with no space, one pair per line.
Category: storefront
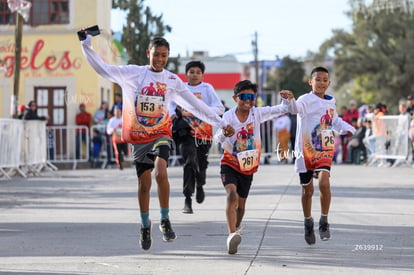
53,70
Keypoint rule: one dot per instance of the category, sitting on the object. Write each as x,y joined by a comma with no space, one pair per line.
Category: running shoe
145,237
200,194
233,241
309,232
187,206
168,235
324,229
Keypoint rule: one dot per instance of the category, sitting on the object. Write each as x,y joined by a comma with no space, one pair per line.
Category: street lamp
22,9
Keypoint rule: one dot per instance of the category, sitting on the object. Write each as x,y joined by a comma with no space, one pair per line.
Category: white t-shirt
242,150
316,121
146,96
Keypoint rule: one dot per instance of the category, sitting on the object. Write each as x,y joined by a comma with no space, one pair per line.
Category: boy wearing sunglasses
242,151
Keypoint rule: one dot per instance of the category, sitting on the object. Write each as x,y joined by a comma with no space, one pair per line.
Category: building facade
53,70
223,72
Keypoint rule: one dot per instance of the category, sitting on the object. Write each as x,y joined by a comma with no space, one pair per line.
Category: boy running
193,135
316,120
242,151
146,124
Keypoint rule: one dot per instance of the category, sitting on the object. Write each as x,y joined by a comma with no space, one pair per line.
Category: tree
141,26
290,76
377,54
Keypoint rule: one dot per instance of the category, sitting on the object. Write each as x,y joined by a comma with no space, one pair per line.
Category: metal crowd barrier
22,147
67,144
11,142
30,146
394,145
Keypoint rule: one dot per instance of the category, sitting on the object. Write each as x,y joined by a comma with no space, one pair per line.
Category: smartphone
94,30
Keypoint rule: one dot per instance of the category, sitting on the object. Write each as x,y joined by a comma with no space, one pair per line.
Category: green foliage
141,26
291,76
376,55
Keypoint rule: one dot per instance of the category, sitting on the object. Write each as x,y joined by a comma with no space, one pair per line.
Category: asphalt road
87,222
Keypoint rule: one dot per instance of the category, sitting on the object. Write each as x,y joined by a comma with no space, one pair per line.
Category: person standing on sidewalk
242,151
193,135
114,129
146,123
83,118
315,146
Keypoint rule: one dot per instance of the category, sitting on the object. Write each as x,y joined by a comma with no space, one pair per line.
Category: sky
221,27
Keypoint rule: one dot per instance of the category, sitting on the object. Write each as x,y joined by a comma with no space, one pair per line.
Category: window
51,102
43,12
6,17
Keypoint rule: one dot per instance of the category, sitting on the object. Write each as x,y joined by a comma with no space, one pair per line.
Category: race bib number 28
248,160
328,141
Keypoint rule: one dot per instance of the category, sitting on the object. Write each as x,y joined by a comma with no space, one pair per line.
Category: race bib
248,160
149,106
328,141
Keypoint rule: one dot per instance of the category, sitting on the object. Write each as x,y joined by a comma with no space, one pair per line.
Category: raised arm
110,72
188,101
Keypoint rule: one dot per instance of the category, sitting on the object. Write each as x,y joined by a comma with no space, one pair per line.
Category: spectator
117,103
96,148
410,105
351,112
114,128
368,133
402,131
282,128
83,118
351,116
21,109
31,112
100,114
411,135
376,142
356,145
108,140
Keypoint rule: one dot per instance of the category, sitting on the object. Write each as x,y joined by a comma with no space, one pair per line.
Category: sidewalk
87,221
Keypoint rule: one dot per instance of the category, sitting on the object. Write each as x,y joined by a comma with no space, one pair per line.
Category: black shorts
242,182
162,151
305,178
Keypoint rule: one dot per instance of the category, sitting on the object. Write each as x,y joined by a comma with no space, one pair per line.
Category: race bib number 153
149,106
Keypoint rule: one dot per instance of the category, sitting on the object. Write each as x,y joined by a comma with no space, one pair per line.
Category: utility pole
17,56
256,59
259,100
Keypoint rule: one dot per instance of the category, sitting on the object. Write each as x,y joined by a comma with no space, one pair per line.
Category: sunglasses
245,97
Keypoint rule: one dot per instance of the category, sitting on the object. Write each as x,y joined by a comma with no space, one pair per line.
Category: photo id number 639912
368,247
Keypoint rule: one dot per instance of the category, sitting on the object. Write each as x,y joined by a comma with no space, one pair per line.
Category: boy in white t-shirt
315,147
242,151
146,124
